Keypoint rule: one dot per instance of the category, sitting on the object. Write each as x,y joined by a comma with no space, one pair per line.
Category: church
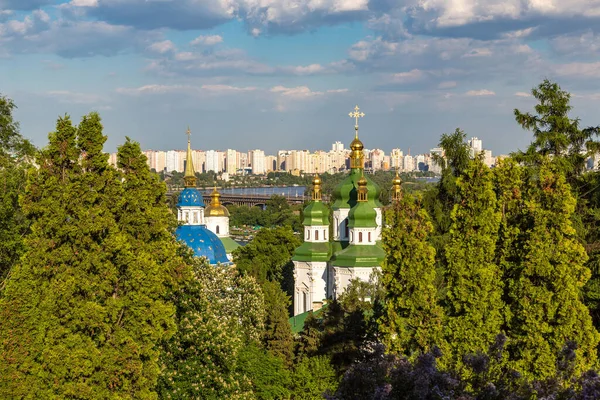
323,268
204,229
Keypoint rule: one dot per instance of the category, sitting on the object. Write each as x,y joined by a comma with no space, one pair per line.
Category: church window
369,237
316,235
359,237
308,234
324,234
346,228
195,217
187,217
218,229
305,301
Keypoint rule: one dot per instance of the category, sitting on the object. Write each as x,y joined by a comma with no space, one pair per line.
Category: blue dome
203,242
190,197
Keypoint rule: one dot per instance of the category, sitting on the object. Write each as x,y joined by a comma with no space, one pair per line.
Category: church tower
311,258
190,214
216,216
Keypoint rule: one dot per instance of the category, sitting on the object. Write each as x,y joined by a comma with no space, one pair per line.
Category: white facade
310,279
258,162
218,225
191,215
340,225
212,161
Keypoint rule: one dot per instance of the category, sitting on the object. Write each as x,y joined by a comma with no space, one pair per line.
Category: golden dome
317,180
362,189
397,181
316,196
356,144
216,209
362,182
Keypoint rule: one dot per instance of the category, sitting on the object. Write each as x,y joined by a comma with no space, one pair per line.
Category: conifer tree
473,304
547,276
278,332
86,306
412,320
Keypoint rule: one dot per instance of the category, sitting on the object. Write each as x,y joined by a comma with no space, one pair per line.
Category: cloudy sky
283,74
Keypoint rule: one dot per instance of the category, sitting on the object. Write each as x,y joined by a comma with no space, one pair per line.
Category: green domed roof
316,213
312,252
346,195
359,256
362,215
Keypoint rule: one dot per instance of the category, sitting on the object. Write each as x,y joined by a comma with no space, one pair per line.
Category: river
288,191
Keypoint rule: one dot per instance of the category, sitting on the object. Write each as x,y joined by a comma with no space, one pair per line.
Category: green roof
362,215
312,252
359,256
229,244
346,195
316,213
297,322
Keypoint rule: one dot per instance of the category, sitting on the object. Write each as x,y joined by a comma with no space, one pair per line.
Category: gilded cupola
397,188
216,209
357,157
316,194
362,189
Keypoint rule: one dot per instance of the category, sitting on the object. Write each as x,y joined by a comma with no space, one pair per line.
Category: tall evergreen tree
278,332
86,306
547,273
473,303
412,322
15,152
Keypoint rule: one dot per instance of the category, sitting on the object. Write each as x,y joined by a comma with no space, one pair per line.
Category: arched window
316,235
369,237
346,228
187,217
196,217
359,237
324,234
308,234
218,229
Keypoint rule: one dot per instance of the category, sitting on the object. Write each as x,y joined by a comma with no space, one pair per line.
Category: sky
284,74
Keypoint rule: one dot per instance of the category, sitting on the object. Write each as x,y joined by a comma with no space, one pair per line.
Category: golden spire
316,195
215,198
357,158
189,178
362,189
397,187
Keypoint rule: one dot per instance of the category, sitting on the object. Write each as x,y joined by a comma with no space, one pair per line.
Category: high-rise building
231,161
376,156
409,163
212,161
476,145
337,146
172,161
434,166
257,161
397,159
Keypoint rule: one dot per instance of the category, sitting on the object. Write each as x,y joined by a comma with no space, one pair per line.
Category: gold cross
356,115
188,133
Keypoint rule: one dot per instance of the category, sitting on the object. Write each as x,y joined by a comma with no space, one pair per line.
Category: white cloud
408,77
84,3
162,47
298,92
209,40
70,97
482,92
522,94
155,89
579,70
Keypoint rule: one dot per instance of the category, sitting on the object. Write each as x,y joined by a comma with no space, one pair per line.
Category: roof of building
229,244
359,256
313,252
190,197
346,195
297,321
316,213
203,242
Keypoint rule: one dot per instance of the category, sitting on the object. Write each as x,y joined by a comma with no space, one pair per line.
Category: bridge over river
252,196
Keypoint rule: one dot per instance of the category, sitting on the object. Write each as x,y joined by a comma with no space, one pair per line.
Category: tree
278,332
555,134
473,303
268,377
312,378
15,152
412,321
267,255
218,313
85,307
547,273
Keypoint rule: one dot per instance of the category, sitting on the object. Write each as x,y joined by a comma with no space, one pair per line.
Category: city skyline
261,74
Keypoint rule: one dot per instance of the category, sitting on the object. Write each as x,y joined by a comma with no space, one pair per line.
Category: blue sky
283,74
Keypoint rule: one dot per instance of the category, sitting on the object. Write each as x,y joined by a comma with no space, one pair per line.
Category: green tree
85,307
268,377
473,302
267,255
278,332
218,313
555,134
313,377
412,322
547,273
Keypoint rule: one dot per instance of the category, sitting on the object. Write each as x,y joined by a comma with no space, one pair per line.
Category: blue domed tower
190,211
